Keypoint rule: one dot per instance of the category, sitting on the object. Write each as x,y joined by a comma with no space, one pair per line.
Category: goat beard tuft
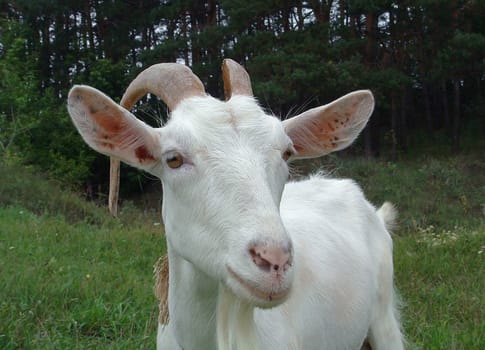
235,322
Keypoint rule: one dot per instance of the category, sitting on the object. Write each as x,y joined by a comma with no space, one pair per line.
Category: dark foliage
424,61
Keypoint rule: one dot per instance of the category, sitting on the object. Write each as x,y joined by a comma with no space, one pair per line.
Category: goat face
221,200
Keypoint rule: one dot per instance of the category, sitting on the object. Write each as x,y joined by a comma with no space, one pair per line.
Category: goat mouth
270,296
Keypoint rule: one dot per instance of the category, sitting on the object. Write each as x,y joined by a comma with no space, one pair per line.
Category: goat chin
235,322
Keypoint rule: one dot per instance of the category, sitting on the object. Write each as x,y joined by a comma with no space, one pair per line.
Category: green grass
71,277
441,278
75,286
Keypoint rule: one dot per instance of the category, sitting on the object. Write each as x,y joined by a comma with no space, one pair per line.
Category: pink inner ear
143,154
110,122
108,130
324,130
114,133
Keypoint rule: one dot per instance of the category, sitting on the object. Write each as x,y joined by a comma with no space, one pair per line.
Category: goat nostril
270,259
259,260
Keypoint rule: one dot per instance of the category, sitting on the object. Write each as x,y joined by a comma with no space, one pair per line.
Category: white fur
231,191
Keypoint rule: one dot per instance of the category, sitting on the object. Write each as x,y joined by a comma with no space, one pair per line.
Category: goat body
254,263
343,289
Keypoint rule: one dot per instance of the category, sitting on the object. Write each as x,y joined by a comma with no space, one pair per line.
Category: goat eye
288,153
175,161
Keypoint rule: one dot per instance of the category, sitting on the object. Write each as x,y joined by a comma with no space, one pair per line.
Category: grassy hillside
72,277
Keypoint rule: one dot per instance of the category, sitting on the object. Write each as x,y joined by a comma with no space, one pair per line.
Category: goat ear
112,130
330,128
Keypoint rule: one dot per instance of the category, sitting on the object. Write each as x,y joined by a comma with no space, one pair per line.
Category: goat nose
270,258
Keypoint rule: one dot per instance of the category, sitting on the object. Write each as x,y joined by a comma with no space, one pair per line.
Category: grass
72,277
75,286
441,278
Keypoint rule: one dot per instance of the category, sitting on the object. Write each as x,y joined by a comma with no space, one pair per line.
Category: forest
424,60
74,277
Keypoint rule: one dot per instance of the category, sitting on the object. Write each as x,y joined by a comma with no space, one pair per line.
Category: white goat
255,263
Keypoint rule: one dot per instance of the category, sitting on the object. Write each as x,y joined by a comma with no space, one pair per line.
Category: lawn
71,277
77,285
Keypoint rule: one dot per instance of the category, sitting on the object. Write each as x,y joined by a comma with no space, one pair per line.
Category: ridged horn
236,79
172,83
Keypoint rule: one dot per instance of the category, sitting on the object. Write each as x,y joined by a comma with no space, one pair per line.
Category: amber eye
288,153
175,161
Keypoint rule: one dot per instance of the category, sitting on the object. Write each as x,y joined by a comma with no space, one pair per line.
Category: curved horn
236,79
172,83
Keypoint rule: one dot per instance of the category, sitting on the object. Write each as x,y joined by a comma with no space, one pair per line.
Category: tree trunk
194,31
286,17
370,59
394,125
370,48
427,109
444,102
301,18
456,116
403,134
322,13
45,53
343,10
89,24
368,147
